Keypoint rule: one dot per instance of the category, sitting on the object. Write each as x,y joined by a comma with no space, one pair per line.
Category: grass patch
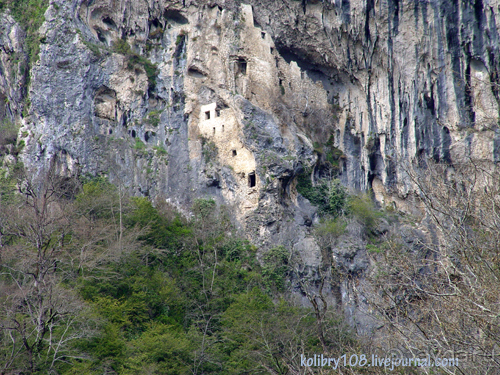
153,118
160,150
139,145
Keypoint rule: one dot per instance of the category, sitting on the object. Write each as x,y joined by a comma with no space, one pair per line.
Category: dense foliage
328,195
94,282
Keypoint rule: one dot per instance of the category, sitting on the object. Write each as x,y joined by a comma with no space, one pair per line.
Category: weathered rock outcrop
412,78
187,99
13,68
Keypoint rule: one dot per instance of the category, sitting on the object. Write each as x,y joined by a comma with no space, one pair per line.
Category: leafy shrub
363,209
328,196
154,118
275,268
209,150
160,150
331,228
139,145
122,47
203,208
98,199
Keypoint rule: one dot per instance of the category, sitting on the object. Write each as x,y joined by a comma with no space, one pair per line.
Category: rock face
412,78
186,99
13,68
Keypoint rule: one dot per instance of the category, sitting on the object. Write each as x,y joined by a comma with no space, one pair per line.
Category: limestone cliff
187,99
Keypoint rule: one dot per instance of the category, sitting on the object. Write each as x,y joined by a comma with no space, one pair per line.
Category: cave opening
242,66
251,179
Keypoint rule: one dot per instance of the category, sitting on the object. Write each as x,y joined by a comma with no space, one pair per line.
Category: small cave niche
124,119
155,23
148,135
251,179
155,29
133,133
108,21
241,65
271,49
234,153
3,106
263,35
174,16
110,131
207,115
194,71
102,36
105,103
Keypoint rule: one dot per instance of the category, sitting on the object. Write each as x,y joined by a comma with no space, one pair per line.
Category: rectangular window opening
263,35
207,115
242,66
234,153
251,179
217,113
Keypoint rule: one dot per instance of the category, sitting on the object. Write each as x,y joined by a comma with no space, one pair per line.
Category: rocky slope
185,99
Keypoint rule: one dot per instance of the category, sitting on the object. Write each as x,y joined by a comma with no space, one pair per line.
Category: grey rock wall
13,68
414,78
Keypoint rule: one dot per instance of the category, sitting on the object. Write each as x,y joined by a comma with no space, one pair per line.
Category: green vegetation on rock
329,196
30,15
122,47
